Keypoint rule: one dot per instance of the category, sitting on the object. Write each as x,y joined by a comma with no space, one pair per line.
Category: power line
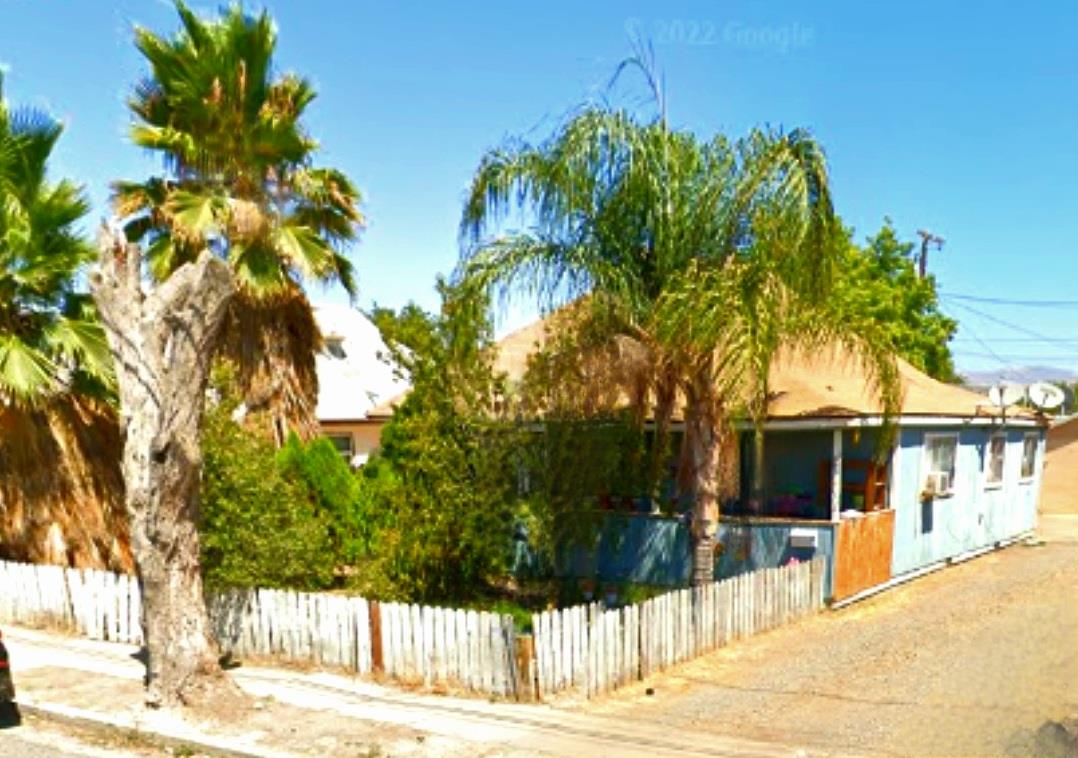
1013,340
1021,329
991,353
1005,301
1059,357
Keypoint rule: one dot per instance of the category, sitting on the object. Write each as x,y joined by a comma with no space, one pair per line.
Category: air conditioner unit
805,538
938,483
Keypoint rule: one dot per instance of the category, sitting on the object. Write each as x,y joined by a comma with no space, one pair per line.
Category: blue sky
962,119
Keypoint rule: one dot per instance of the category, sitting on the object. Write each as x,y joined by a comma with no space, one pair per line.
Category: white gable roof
353,379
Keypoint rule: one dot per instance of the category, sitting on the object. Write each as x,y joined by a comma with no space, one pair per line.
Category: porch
823,497
824,494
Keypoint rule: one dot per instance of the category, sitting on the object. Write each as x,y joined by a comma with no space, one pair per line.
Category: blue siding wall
655,550
642,549
975,515
748,545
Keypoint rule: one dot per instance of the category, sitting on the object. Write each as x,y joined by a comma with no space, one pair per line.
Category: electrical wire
1005,301
1071,343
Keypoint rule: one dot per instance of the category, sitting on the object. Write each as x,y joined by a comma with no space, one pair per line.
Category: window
940,454
993,460
343,443
333,344
1029,456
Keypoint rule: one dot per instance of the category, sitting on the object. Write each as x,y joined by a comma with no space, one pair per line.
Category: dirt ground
970,660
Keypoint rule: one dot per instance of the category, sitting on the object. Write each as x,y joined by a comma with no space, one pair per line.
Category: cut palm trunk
163,343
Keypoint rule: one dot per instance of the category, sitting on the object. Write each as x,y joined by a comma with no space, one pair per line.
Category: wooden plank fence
471,649
592,650
586,648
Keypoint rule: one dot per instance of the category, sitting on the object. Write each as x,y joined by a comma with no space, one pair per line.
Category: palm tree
636,215
59,479
239,180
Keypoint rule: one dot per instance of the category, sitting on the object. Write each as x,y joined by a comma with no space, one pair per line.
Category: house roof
352,379
822,384
819,384
832,383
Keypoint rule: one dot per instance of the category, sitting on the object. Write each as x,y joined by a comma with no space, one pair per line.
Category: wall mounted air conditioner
803,538
938,483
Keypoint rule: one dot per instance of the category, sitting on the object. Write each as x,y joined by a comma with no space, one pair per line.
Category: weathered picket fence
295,626
585,648
473,649
591,650
469,649
100,605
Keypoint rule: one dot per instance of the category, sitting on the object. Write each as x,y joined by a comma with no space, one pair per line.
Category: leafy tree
879,281
451,453
637,215
239,180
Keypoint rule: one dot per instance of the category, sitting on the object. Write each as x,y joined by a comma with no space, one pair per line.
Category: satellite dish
1046,396
1005,394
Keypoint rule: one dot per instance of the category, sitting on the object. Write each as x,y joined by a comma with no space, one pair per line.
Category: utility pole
927,238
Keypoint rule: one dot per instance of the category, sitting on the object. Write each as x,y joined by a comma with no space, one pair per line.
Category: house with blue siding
881,499
949,476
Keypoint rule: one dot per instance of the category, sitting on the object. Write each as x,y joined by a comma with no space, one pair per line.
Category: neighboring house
959,477
352,380
1060,492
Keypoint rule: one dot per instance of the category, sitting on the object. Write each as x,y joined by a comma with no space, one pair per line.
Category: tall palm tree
60,491
239,180
635,215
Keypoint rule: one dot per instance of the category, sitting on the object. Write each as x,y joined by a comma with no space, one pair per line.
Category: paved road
970,660
338,711
26,742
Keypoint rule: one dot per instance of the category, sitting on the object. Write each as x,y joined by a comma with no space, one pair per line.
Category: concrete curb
62,714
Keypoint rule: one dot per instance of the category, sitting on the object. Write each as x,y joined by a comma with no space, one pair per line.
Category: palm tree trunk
757,497
703,444
665,397
163,344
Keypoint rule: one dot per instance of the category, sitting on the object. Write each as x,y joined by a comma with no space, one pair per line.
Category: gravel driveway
970,660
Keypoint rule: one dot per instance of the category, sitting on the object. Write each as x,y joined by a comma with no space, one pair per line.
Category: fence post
523,652
375,614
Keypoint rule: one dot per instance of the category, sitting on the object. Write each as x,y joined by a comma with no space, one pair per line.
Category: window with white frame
343,443
1029,456
993,460
941,452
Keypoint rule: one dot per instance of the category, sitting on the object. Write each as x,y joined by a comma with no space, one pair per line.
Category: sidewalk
323,714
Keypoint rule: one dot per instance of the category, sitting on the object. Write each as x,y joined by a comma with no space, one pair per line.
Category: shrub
259,528
334,488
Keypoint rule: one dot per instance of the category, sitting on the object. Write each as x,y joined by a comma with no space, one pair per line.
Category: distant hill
1020,374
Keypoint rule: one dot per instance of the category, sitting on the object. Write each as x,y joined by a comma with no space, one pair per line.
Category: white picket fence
585,648
96,604
473,649
591,650
296,626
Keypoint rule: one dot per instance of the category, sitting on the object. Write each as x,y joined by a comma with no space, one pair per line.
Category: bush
259,527
334,488
443,494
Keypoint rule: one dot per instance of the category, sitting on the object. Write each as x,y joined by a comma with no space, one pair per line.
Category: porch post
836,474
